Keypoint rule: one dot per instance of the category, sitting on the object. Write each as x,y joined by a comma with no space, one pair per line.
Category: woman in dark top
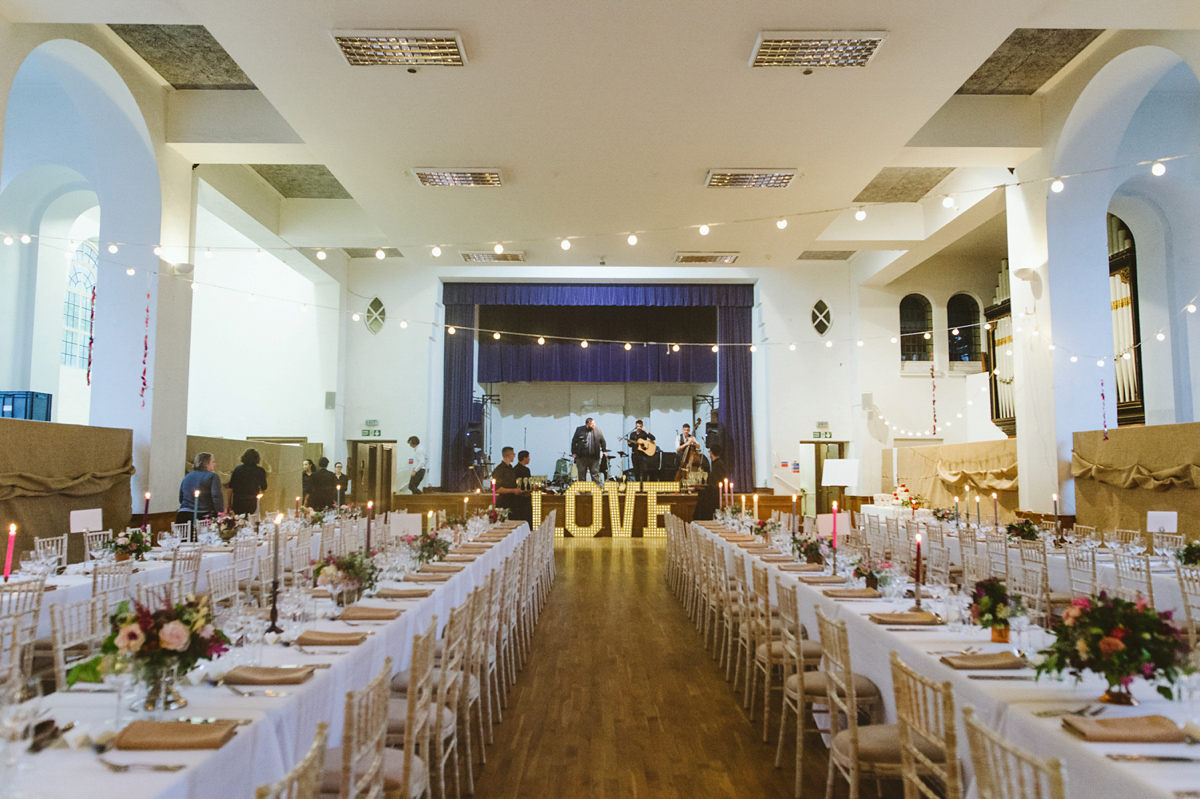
200,495
246,483
709,498
306,476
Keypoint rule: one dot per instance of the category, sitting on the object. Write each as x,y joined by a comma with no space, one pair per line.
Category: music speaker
330,400
712,433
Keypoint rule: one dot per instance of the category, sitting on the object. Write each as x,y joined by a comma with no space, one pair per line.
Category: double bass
691,461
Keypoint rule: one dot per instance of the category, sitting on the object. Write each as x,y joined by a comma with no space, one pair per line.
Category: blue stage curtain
457,395
525,361
734,390
688,294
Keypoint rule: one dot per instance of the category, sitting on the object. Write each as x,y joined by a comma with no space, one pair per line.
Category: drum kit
566,472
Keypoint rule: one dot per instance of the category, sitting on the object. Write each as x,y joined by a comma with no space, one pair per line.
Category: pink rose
1071,615
122,540
174,636
130,638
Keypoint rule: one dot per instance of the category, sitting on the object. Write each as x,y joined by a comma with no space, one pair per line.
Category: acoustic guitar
647,447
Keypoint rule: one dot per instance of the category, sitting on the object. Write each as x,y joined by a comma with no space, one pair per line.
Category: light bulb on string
628,346
208,252
632,239
1158,169
112,249
860,214
8,240
157,250
674,348
1161,336
714,348
496,335
541,340
304,307
828,344
380,254
321,255
781,223
451,330
954,332
947,201
1057,186
584,344
1074,359
355,317
1191,307
927,335
258,253
860,342
1050,347
704,230
131,271
894,339
25,239
1100,363
753,348
498,249
987,325
792,347
193,285
436,252
1126,356
403,323
566,244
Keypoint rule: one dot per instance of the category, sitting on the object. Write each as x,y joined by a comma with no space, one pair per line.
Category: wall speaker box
330,400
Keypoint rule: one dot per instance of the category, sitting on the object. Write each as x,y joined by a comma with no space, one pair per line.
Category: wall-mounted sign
375,423
822,434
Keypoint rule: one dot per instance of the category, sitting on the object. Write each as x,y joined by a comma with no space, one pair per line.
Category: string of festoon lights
900,428
1057,184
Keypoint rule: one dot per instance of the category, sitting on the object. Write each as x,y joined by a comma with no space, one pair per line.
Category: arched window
962,315
77,304
916,321
1126,322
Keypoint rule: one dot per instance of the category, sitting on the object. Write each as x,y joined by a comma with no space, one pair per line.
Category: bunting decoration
933,395
145,349
1103,409
91,334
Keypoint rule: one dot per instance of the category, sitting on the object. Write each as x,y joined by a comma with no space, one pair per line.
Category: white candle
794,527
756,507
995,511
835,515
429,523
1055,498
275,570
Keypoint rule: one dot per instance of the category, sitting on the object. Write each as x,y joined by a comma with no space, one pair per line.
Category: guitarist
641,452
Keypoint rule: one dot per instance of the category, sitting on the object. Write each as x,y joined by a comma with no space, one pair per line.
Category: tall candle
978,519
196,511
297,506
743,504
995,511
493,492
257,504
429,523
794,528
275,567
1055,498
12,540
465,499
339,496
918,575
370,516
146,513
835,515
756,507
956,510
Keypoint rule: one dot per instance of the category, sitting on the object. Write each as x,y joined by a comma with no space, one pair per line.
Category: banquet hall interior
915,275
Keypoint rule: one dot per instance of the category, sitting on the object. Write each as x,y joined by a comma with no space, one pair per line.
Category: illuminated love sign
622,498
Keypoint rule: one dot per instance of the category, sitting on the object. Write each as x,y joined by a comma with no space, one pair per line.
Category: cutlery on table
201,720
323,651
1021,677
267,692
123,767
1153,758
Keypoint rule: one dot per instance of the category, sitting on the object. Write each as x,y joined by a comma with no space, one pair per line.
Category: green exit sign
822,434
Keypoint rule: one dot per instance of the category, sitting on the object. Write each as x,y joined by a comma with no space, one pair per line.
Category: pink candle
12,540
918,575
146,513
835,525
493,492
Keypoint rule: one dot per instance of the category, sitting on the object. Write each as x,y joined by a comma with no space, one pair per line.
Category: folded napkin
473,549
914,618
321,593
989,660
768,552
491,539
852,593
321,638
449,568
737,537
49,588
822,579
778,559
403,593
175,735
802,567
261,675
454,557
426,578
368,613
1130,729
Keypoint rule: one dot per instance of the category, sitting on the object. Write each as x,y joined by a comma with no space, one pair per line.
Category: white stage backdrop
541,417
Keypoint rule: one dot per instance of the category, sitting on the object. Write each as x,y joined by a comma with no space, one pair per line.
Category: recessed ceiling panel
902,184
826,255
303,182
186,56
1027,59
815,49
489,256
705,257
401,48
372,252
749,178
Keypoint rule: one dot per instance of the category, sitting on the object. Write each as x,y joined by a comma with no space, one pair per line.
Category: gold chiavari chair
304,780
1081,569
112,577
222,586
768,643
1167,543
55,546
77,629
1003,771
799,656
1134,578
997,552
1026,583
21,600
1127,538
928,737
156,595
1189,586
975,568
186,565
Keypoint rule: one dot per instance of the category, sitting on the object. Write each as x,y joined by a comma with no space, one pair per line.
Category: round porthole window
822,317
376,315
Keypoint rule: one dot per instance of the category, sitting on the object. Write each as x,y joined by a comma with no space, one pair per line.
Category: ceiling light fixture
469,178
704,230
947,201
815,49
781,223
1057,186
498,249
321,255
1158,169
25,239
541,340
860,214
632,239
566,244
112,249
490,256
749,178
436,252
401,48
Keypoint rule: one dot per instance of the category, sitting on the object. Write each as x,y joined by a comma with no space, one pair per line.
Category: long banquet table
1006,704
280,730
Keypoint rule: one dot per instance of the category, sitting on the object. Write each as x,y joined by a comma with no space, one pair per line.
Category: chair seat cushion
809,651
815,684
398,717
393,774
400,683
880,743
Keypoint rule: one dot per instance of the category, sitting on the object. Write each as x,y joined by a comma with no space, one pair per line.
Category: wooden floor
620,699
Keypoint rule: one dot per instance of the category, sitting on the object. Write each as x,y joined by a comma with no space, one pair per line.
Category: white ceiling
605,117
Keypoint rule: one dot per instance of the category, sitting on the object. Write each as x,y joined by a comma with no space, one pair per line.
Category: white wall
256,352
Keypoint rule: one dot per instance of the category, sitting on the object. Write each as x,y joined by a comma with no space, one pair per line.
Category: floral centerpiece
873,572
129,544
496,515
343,575
992,607
229,525
1119,640
1190,554
913,501
765,528
943,514
316,518
162,642
807,547
428,546
1024,529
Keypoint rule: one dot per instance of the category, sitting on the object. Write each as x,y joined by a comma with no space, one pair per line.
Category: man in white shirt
417,461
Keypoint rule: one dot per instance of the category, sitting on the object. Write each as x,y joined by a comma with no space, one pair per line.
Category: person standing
709,497
587,447
522,468
342,479
508,494
202,478
641,459
246,483
322,488
306,477
417,461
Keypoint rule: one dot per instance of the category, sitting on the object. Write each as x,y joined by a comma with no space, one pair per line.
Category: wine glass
1018,620
118,675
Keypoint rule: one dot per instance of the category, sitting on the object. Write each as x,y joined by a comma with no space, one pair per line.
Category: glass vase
162,689
1118,695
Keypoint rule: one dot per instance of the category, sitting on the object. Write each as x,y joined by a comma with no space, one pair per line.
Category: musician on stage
508,495
685,440
641,459
709,498
587,448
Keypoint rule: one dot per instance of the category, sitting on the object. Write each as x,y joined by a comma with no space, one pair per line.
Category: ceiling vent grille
432,176
815,49
705,257
401,48
749,178
488,256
